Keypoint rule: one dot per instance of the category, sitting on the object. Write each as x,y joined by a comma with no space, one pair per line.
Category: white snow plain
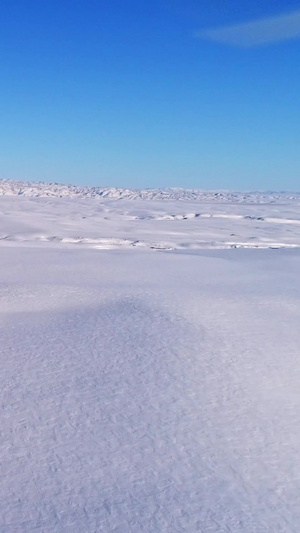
150,362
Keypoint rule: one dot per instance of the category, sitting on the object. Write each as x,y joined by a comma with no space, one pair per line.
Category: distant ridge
41,189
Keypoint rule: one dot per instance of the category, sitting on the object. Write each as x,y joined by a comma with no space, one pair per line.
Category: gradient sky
130,93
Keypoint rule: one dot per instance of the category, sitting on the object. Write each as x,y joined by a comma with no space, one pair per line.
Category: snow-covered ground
149,363
172,219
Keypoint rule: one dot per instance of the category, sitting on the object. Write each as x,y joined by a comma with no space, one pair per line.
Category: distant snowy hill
39,189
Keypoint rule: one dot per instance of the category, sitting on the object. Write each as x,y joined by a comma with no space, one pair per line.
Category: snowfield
150,362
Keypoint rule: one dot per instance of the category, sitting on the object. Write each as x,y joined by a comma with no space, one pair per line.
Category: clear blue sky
143,94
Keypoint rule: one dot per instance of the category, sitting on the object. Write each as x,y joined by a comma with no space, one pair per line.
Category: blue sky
166,93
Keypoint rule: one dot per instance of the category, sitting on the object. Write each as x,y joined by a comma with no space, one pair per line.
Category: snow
149,364
40,189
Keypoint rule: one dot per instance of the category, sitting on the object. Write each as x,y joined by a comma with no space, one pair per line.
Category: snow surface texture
149,374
